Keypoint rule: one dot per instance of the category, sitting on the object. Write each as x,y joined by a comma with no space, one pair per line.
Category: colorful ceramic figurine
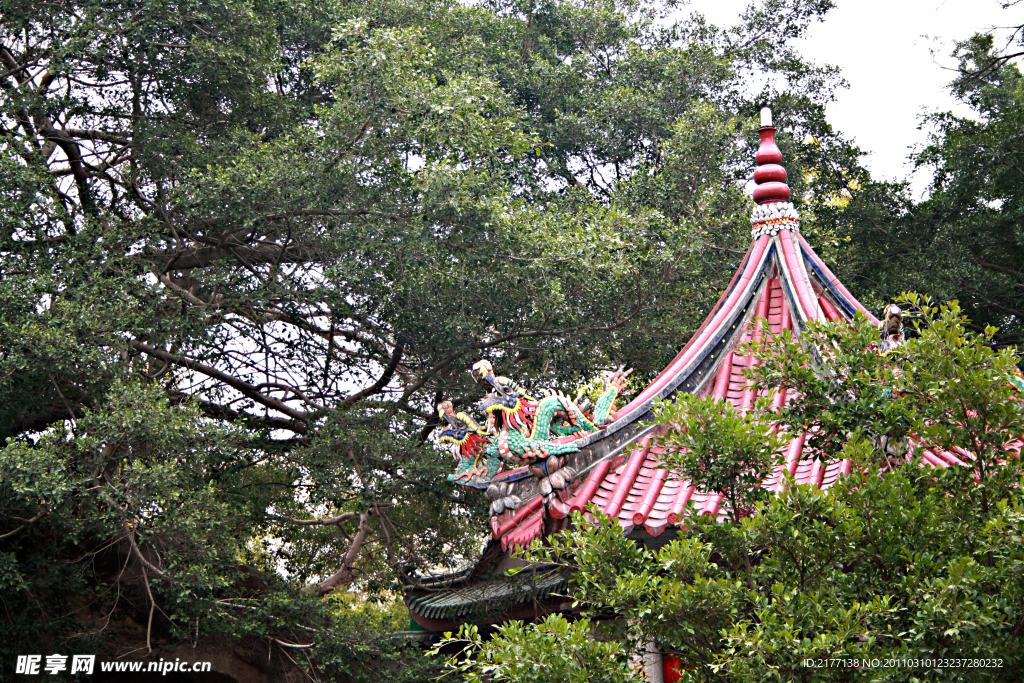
523,431
469,441
1017,380
891,327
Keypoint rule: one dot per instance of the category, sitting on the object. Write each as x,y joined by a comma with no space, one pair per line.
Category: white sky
884,48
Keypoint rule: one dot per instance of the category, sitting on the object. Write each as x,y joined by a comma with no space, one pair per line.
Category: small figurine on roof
891,327
469,441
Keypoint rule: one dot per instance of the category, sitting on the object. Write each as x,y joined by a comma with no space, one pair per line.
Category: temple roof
780,279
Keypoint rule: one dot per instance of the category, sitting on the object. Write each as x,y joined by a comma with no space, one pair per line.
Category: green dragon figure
523,431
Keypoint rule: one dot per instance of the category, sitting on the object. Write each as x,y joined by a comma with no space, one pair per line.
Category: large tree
247,247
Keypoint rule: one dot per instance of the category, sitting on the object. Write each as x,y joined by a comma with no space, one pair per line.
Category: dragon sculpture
522,430
469,441
1017,380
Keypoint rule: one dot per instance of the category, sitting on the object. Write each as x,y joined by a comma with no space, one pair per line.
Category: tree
719,449
963,241
944,389
246,248
898,563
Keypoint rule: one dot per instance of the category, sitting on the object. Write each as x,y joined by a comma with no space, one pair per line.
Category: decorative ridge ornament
891,327
774,211
522,431
768,219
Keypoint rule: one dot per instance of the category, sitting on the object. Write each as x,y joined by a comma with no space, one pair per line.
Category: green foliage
963,241
551,650
884,566
839,385
945,388
246,248
719,448
957,385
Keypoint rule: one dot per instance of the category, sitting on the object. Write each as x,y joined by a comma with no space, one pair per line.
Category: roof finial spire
773,212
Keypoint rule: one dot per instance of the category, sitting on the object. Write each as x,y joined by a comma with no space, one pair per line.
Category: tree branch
315,522
98,135
224,413
344,576
998,269
396,357
244,388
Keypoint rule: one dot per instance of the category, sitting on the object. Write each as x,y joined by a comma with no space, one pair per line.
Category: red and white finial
774,210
